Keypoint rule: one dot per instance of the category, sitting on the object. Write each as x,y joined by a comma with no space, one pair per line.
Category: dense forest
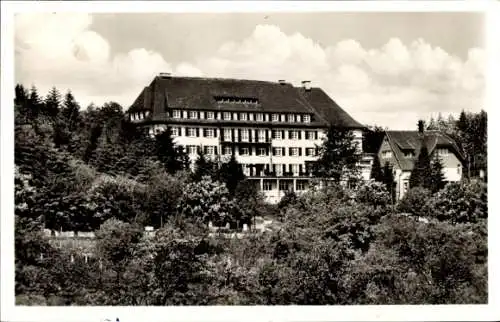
90,170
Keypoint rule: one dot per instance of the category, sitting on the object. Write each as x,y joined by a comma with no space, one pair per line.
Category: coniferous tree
437,176
21,104
231,173
421,173
203,167
52,102
95,134
34,103
376,172
167,152
338,155
388,180
70,111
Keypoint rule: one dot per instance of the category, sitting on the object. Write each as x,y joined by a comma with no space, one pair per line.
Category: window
227,116
176,131
267,185
277,134
210,150
193,114
208,133
295,169
279,169
235,116
244,151
294,152
176,114
261,151
386,154
277,152
405,186
310,152
294,135
210,115
202,115
301,185
243,116
409,154
275,118
459,167
283,117
309,135
228,150
250,116
291,118
442,152
191,149
262,136
191,132
227,134
297,118
306,118
244,135
283,185
246,170
259,117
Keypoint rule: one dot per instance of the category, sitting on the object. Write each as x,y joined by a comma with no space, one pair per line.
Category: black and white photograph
260,158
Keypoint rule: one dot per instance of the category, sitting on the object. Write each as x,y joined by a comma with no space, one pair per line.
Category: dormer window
227,116
243,116
386,154
176,114
275,118
291,118
408,154
443,152
259,117
210,115
306,118
193,114
236,100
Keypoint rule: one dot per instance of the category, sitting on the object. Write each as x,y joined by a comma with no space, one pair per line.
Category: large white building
273,128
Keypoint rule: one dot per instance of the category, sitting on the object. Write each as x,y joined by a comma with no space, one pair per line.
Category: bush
460,203
414,202
373,193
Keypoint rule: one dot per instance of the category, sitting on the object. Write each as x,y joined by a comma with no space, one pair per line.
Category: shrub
414,201
460,203
373,193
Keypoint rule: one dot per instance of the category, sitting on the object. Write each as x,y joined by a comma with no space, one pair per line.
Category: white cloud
407,80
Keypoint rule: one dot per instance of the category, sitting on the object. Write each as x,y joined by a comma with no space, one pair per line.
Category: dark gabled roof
201,93
402,141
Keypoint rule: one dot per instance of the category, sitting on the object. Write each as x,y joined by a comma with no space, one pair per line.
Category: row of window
411,154
284,185
245,134
241,116
246,151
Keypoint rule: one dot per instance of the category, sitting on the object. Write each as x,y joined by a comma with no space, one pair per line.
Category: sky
386,69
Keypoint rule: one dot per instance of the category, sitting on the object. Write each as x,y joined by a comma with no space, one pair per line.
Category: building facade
401,148
272,128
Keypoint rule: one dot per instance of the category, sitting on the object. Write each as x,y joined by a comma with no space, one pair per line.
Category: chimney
306,85
282,81
421,127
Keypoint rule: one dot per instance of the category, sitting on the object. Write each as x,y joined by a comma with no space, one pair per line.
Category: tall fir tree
167,152
52,102
203,166
376,171
338,155
421,174
388,180
437,176
34,103
70,111
231,173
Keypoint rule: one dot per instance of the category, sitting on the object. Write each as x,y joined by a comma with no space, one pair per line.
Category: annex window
386,154
262,135
283,185
243,116
208,133
405,186
310,152
459,167
244,151
210,115
267,185
443,152
227,116
191,132
227,134
259,117
301,185
274,118
306,118
176,114
244,135
191,149
176,131
409,154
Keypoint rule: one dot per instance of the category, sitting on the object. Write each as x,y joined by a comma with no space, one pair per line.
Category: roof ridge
228,79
